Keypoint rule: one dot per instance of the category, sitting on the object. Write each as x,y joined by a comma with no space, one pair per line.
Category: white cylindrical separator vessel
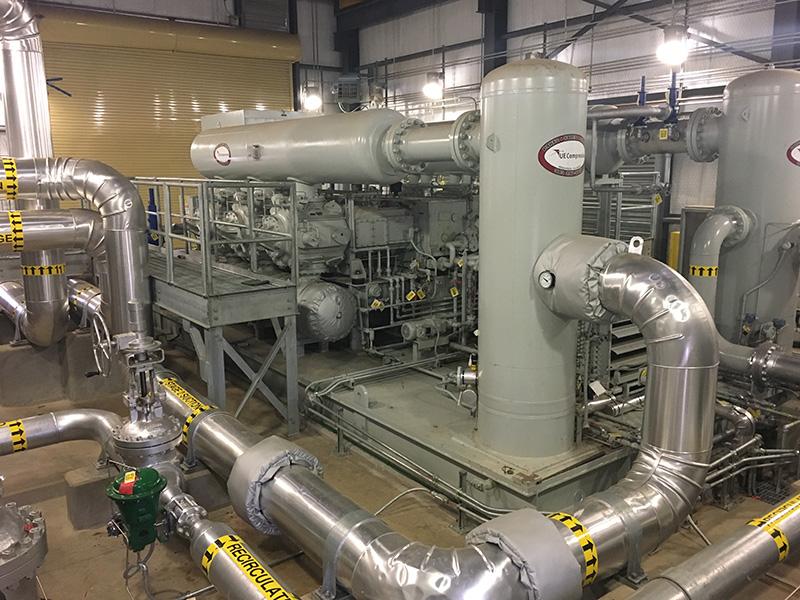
533,116
759,171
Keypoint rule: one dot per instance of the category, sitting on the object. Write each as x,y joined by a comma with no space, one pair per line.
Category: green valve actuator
136,495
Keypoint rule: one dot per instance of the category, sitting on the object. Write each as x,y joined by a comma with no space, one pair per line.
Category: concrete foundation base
87,504
34,375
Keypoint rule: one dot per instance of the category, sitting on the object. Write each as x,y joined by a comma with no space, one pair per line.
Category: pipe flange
760,362
141,442
701,139
740,218
394,146
464,129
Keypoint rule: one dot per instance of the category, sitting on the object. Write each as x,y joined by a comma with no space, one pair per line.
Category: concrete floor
89,564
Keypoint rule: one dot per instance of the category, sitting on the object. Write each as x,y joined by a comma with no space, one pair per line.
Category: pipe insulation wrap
60,426
657,494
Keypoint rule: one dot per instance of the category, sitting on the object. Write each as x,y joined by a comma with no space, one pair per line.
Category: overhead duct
28,129
273,483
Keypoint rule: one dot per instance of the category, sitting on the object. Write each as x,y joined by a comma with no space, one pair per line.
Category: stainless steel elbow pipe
593,279
124,227
724,226
61,426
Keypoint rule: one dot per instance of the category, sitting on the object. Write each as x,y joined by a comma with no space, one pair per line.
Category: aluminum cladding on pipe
64,426
124,228
28,129
533,117
342,148
652,500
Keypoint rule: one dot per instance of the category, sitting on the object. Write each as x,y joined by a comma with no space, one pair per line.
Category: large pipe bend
649,504
63,426
124,226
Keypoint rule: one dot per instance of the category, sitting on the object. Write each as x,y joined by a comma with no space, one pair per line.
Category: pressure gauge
547,279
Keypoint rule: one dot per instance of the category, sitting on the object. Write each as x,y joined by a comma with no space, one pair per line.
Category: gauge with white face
547,279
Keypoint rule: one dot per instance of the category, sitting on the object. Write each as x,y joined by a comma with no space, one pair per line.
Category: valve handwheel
102,346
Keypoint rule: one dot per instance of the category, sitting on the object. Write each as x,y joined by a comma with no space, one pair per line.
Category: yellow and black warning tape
770,523
703,271
591,562
43,270
17,429
15,236
198,407
10,184
253,569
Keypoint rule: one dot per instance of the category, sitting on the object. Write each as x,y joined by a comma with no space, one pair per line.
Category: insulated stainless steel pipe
373,561
124,228
720,570
28,128
591,278
60,426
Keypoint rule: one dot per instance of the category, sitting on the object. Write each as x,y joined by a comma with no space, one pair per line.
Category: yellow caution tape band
257,573
454,291
590,561
17,430
703,271
770,521
15,236
198,407
10,184
411,295
43,270
376,304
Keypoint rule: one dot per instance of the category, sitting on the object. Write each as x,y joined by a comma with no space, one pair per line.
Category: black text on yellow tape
703,271
770,523
10,184
189,400
590,560
43,270
15,236
17,429
256,572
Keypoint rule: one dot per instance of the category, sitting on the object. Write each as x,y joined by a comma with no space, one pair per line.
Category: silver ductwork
592,279
28,129
124,227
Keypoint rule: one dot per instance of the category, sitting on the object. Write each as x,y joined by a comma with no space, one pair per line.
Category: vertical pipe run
533,116
28,128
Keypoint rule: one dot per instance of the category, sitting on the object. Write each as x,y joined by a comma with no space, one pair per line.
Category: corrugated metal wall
138,110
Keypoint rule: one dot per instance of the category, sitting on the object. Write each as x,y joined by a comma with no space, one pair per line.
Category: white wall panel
317,15
443,24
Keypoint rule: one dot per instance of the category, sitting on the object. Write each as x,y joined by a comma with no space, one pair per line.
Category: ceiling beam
630,12
372,12
609,12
